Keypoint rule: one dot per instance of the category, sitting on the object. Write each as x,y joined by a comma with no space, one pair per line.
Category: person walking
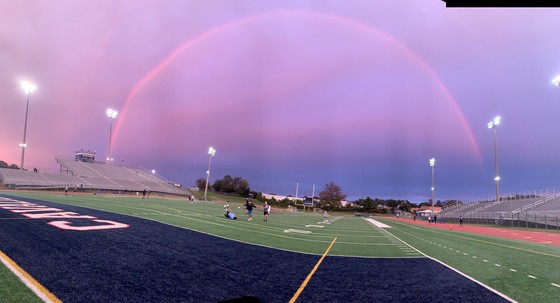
249,207
461,221
325,216
266,211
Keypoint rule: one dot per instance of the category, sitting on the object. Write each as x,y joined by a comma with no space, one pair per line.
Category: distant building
85,156
280,198
426,210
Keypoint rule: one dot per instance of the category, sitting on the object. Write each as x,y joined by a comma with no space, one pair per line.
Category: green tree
330,197
241,186
229,184
200,183
367,204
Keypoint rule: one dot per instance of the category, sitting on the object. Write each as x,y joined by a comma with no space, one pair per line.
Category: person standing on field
266,211
249,207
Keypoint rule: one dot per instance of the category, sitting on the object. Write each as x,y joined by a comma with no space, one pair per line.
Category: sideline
304,284
28,280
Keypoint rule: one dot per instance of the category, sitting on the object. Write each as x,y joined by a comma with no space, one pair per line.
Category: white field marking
554,284
26,281
513,270
485,261
465,254
474,257
455,270
498,265
310,225
457,251
532,277
378,224
297,231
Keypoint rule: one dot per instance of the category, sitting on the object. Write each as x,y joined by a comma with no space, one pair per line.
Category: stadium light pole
433,166
112,114
493,124
28,88
211,152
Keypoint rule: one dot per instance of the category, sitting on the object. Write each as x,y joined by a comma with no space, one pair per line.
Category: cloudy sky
360,93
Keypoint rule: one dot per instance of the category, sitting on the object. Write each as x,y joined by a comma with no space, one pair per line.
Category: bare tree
330,197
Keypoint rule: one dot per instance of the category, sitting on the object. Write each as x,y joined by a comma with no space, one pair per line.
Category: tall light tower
112,114
211,152
28,88
493,124
433,165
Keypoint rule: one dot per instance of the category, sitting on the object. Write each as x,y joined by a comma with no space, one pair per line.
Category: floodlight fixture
28,87
111,113
556,81
495,122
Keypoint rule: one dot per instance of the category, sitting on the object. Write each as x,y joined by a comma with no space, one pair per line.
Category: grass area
13,290
523,271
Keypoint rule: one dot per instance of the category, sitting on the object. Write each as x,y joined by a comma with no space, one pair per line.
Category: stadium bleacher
516,210
89,176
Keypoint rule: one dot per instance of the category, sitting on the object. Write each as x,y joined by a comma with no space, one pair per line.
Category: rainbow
356,24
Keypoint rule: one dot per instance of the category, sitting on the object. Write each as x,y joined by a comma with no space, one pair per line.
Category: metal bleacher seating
103,176
88,176
25,179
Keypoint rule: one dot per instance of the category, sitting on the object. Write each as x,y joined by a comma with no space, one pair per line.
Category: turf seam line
45,295
304,284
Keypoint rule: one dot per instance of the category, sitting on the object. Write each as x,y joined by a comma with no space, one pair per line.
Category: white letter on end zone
109,225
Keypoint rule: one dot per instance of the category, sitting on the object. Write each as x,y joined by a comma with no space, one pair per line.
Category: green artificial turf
526,272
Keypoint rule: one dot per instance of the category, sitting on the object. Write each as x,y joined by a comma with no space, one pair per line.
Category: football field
129,249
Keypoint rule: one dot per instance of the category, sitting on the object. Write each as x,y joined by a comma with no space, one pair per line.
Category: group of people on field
249,211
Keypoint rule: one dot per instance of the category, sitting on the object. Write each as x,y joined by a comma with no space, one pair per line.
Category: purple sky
360,93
